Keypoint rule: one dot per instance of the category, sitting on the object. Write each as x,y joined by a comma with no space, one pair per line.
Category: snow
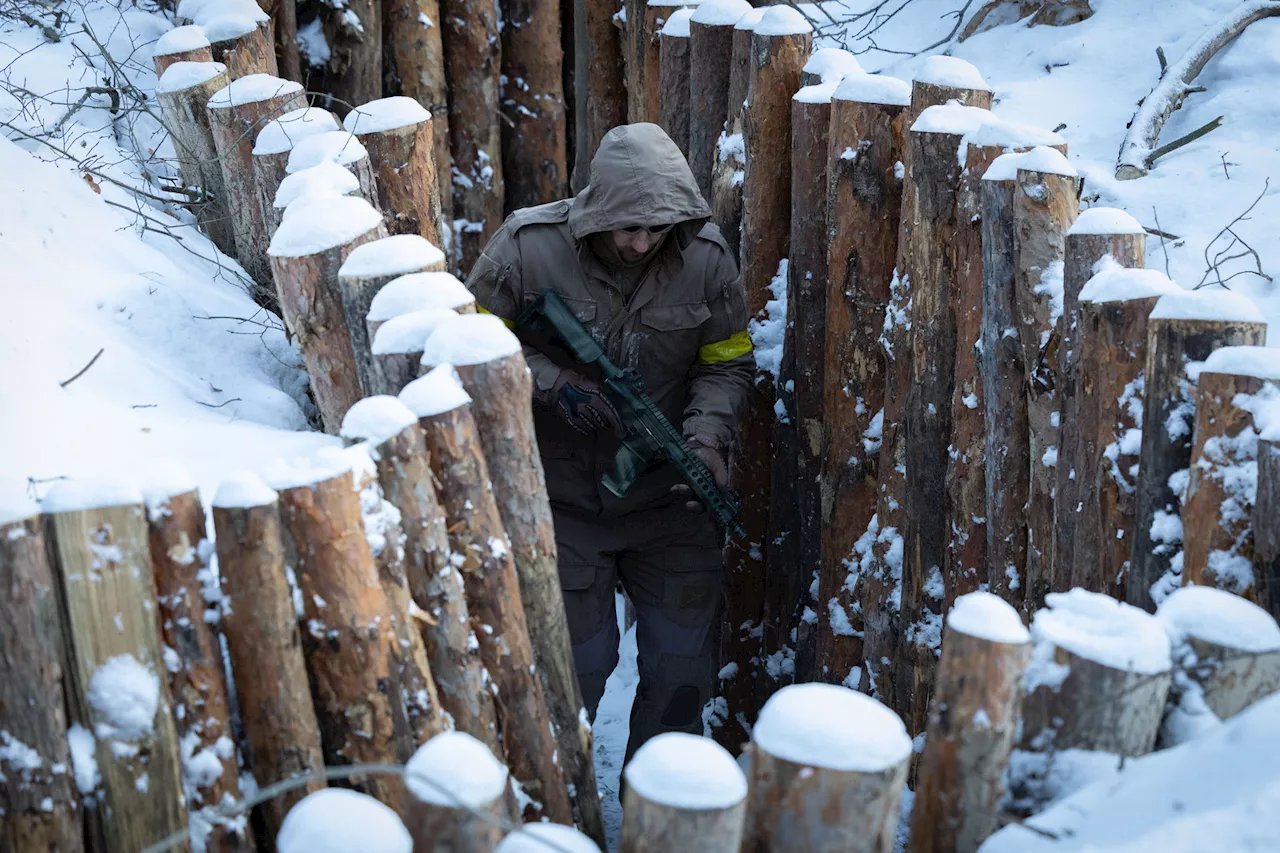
874,89
611,727
720,13
77,495
242,8
125,696
1012,134
1114,283
768,330
408,332
782,21
545,837
16,505
987,617
455,769
251,89
468,339
416,291
1039,159
395,255
244,490
1218,617
336,820
338,146
832,64
376,419
818,93
1213,304
282,134
84,758
822,725
953,72
677,25
180,40
1262,362
226,27
185,75
953,118
1105,220
438,392
385,114
325,180
315,225
750,20
1096,627
685,771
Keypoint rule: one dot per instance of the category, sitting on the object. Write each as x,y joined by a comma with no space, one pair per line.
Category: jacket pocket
672,318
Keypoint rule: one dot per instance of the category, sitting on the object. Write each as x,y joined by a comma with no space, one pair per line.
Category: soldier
634,257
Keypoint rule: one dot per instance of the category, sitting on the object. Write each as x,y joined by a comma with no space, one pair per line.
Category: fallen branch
1214,265
1185,140
82,371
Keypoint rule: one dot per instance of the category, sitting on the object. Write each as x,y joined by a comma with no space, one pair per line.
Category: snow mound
1096,627
750,20
1214,304
953,118
438,392
950,71
1114,283
325,464
1012,134
822,725
544,837
720,13
874,89
376,419
455,769
832,64
385,114
1105,220
180,40
395,255
336,820
77,495
470,339
782,21
125,696
206,12
282,134
1261,362
1040,159
417,291
406,333
326,180
251,89
186,75
228,26
987,617
677,25
16,505
338,146
1219,617
242,491
159,490
685,771
318,224
818,93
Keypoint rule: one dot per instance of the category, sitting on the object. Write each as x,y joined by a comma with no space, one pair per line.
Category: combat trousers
670,564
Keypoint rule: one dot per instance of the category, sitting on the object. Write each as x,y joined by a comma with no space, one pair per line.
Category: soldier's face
634,244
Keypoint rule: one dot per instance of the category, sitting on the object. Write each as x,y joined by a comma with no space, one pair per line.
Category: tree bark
282,737
644,23
404,169
108,615
655,827
1266,533
601,81
472,67
161,61
728,167
534,142
251,52
413,53
284,19
710,61
1232,679
439,828
673,89
270,168
354,72
40,805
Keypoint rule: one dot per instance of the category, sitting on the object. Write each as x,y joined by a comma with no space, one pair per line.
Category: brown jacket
684,328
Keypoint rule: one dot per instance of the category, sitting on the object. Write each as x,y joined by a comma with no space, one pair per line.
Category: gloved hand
710,451
581,405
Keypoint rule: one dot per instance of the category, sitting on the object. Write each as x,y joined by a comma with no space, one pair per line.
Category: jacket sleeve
721,378
496,283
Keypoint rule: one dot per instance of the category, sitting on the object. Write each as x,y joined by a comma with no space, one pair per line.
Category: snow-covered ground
613,719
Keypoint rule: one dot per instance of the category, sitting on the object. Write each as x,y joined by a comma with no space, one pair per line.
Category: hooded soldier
635,259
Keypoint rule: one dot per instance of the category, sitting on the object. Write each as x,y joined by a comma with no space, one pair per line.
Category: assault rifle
647,435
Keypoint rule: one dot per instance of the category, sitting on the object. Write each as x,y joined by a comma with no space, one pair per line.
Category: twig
220,405
1156,232
82,370
1163,247
1186,140
1213,267
1223,158
1164,63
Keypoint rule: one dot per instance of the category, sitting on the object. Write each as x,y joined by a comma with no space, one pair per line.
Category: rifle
647,435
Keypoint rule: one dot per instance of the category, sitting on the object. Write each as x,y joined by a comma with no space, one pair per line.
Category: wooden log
398,346
673,78
683,793
483,556
972,723
245,45
398,134
942,79
189,600
827,770
336,820
183,95
271,152
353,74
472,67
261,626
416,292
710,60
344,149
443,814
284,23
1217,507
37,793
534,140
306,268
493,372
1182,328
645,19
324,180
236,113
729,164
181,44
413,52
601,93
1266,533
117,703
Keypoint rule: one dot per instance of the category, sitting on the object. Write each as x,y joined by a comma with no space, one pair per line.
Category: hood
639,177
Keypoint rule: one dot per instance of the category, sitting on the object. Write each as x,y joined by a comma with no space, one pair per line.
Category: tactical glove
711,452
581,405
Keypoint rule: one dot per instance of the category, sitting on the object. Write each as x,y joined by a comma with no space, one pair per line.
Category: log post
683,792
245,45
828,766
673,78
972,723
942,79
40,807
472,67
271,152
534,141
282,737
398,346
480,551
189,602
538,837
442,813
236,112
340,147
864,201
645,19
117,701
353,31
306,254
1182,328
493,372
184,91
284,23
729,163
1266,533
336,820
399,136
181,44
1111,332
710,60
324,180
1217,507
601,90
416,292
414,51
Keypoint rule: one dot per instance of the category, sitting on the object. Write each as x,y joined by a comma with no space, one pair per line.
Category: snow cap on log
229,25
541,837
158,489
685,771
317,225
242,491
284,474
1258,362
823,725
954,118
337,146
1039,159
180,40
1012,134
1096,627
415,292
283,134
251,89
782,21
394,255
337,819
209,11
386,114
720,13
818,93
950,71
77,495
677,25
185,75
1105,220
874,89
375,419
750,20
987,617
454,769
404,333
1220,305
470,339
326,180
16,505
832,64
1218,617
1114,283
438,392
